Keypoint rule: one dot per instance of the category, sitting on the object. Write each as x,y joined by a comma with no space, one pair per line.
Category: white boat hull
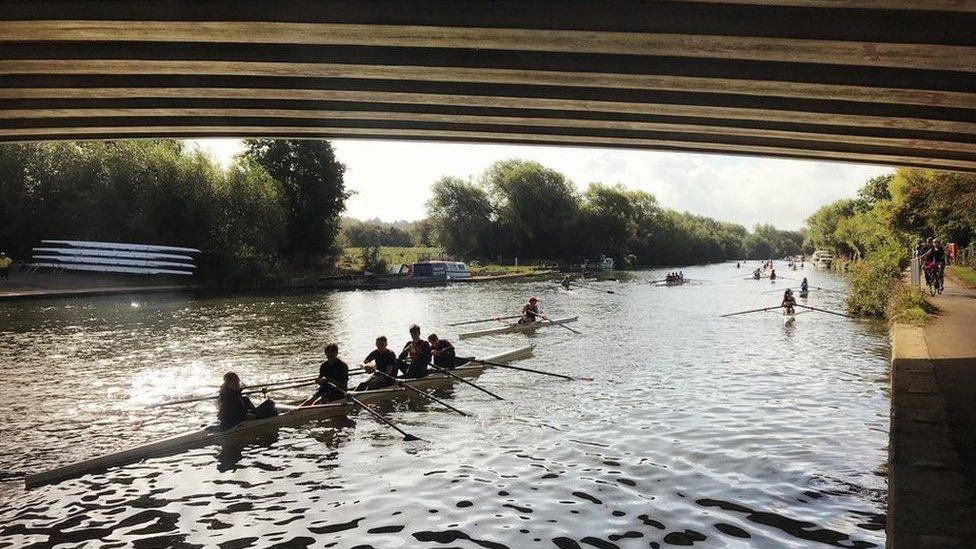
513,328
288,414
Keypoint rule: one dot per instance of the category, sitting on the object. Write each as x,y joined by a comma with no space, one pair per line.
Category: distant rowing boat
288,414
512,328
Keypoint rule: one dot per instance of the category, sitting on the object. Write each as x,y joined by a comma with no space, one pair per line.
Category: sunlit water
698,430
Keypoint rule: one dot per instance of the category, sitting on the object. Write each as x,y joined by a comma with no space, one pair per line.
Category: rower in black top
333,371
417,351
443,352
530,312
233,407
789,302
385,361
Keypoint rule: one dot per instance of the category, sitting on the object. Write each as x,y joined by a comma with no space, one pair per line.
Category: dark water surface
697,431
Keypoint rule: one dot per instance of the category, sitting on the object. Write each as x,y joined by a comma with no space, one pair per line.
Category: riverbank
21,286
932,448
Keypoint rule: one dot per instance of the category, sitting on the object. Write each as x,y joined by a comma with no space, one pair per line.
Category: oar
595,289
461,379
406,436
500,365
750,311
779,290
484,320
295,380
250,392
549,320
825,311
401,383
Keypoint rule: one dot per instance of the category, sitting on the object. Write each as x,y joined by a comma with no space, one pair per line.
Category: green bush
909,305
873,281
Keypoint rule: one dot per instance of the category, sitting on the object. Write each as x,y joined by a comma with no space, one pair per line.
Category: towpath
932,484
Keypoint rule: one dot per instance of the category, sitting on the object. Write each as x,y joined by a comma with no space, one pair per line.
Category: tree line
884,221
524,209
275,208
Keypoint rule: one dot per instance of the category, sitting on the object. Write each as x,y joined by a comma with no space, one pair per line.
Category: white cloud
392,178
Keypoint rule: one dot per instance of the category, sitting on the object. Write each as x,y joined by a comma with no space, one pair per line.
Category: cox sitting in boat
384,368
233,407
443,352
333,373
530,311
417,351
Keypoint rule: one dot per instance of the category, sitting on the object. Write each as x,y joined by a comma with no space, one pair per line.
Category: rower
737,265
681,276
757,274
331,372
772,274
789,302
567,280
418,351
530,311
804,286
233,407
442,351
384,360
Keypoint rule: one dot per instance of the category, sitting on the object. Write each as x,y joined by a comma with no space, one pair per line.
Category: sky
391,179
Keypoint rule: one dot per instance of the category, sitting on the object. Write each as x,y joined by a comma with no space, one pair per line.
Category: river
697,430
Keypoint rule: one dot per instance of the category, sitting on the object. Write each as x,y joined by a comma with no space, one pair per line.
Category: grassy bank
491,269
351,260
909,305
967,275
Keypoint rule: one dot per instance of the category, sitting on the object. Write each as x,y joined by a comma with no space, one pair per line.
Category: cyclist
934,261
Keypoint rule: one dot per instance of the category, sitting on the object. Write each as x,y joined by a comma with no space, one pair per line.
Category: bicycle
931,276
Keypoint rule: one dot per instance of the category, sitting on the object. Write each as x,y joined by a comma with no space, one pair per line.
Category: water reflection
696,431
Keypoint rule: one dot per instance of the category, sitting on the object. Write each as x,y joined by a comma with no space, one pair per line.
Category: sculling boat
288,414
512,328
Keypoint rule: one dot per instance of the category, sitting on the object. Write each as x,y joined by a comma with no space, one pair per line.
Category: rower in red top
530,311
331,372
418,351
385,361
443,352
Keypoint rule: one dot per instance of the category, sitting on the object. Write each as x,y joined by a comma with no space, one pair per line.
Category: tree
822,226
930,203
460,216
875,190
535,208
312,192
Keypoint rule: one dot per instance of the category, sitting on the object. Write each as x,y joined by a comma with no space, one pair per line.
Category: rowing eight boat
288,413
512,328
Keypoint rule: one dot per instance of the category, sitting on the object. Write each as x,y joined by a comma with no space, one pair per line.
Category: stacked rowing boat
288,414
114,257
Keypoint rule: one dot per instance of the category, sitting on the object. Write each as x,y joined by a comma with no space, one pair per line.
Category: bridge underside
887,82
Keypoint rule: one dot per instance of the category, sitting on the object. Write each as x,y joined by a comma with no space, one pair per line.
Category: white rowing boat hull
512,328
122,246
113,253
109,269
288,414
113,261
